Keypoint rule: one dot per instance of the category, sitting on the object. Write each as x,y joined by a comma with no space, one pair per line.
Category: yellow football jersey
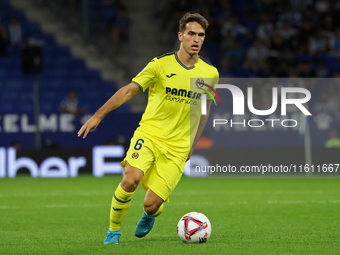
172,115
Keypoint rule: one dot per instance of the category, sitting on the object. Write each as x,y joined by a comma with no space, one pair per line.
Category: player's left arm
123,95
203,121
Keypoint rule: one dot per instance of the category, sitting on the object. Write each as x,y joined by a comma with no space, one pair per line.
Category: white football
194,227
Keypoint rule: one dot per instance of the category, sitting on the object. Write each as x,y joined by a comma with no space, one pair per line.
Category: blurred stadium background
94,47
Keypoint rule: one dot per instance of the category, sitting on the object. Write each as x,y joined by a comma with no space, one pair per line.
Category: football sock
120,205
159,211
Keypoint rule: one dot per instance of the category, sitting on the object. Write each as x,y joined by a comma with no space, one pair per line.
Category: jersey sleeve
147,76
214,81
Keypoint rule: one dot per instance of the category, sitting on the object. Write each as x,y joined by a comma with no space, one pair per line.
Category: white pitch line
52,206
305,202
62,206
4,207
268,202
55,194
268,192
225,192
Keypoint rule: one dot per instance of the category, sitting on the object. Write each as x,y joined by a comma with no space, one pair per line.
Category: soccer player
169,128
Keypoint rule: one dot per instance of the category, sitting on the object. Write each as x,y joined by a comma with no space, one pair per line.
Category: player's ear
180,36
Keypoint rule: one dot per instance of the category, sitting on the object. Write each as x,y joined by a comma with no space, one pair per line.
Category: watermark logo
289,96
200,84
238,99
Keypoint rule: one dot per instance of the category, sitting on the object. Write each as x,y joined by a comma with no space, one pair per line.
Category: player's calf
153,210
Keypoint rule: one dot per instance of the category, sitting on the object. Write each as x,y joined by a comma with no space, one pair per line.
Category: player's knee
150,208
129,184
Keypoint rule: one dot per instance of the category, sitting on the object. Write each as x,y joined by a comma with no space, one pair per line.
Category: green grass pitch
248,216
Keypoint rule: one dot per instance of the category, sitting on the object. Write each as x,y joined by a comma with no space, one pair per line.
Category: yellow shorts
162,171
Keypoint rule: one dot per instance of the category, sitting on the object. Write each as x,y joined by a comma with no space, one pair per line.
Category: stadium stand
288,32
61,72
266,39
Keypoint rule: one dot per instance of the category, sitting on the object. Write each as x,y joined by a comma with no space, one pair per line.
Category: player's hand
92,123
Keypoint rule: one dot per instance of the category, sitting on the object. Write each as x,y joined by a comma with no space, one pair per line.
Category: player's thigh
169,172
140,154
139,158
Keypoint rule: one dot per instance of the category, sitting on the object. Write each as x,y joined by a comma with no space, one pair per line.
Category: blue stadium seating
9,96
61,72
14,84
26,97
24,108
3,74
6,108
48,107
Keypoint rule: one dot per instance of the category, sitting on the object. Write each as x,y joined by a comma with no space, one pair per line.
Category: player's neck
186,59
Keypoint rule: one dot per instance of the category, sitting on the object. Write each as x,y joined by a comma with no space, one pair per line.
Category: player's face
192,38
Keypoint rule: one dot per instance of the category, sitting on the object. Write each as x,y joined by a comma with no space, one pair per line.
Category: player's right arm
120,97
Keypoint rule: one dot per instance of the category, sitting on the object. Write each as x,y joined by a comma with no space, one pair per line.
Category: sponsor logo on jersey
182,96
182,93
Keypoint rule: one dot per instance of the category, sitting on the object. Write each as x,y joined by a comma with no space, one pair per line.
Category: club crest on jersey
135,155
199,83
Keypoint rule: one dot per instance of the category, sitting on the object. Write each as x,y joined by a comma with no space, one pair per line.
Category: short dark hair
192,17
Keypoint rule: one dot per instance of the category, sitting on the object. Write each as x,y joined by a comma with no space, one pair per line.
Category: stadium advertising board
61,129
61,163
